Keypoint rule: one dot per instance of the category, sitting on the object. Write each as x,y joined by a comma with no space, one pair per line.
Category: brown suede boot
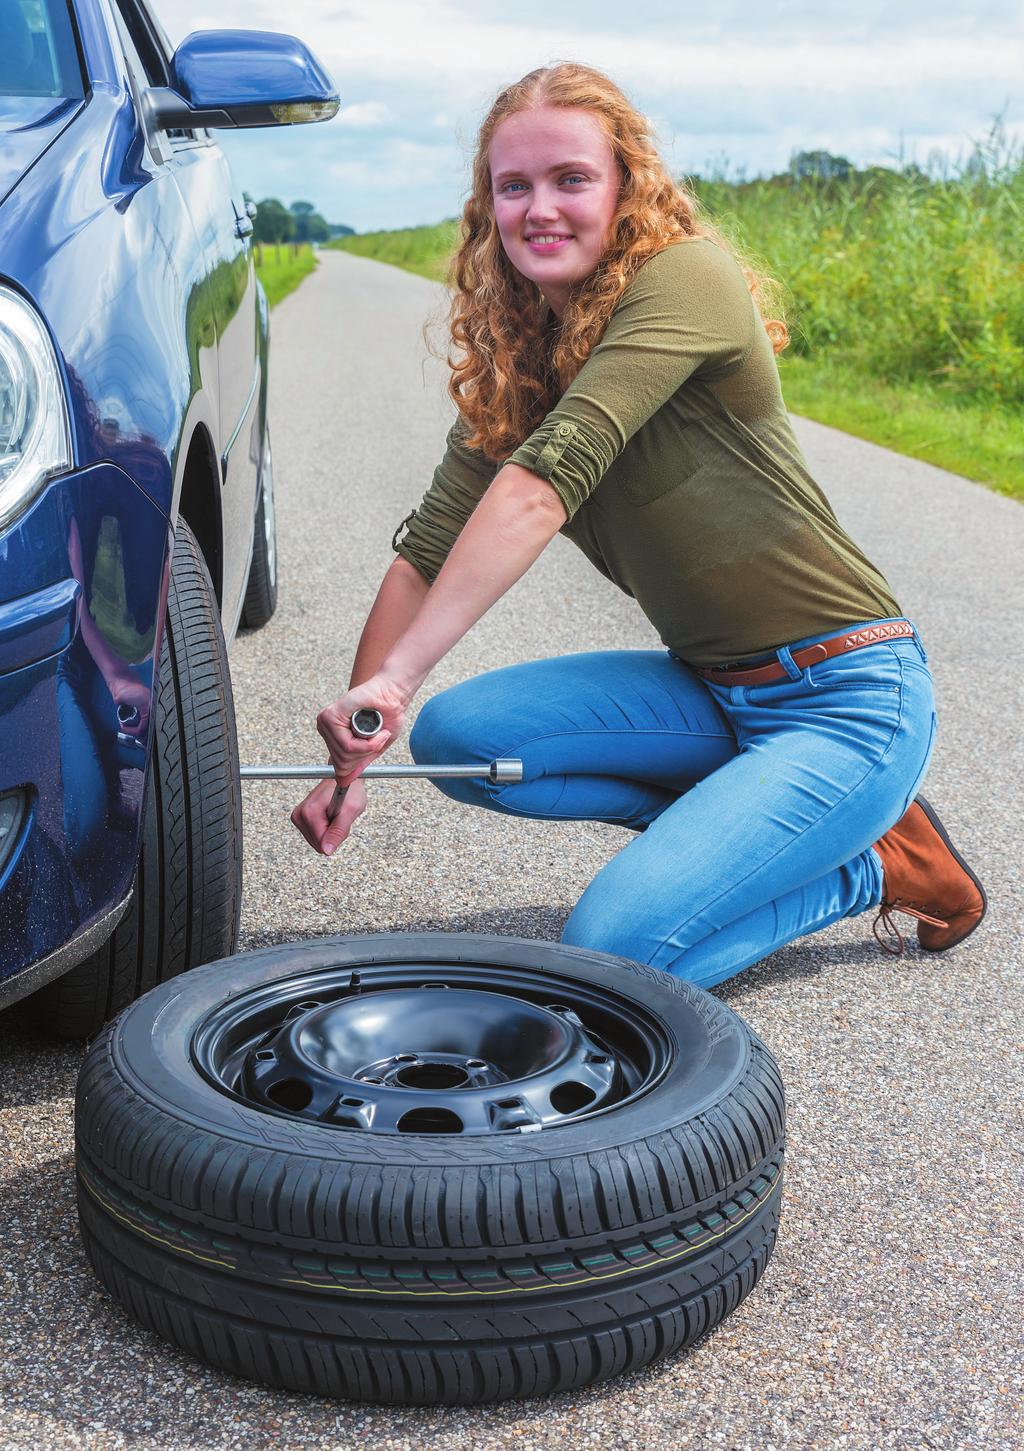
926,877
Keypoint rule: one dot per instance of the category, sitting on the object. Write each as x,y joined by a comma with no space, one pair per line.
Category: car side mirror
242,78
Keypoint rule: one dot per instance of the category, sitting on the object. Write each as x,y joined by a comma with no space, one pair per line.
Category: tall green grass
424,250
904,277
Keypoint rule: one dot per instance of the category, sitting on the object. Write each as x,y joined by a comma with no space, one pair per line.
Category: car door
228,282
221,287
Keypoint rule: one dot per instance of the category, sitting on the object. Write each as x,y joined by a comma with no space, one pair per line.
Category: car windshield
38,55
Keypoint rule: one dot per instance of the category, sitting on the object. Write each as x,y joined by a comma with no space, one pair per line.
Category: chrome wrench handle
366,723
506,770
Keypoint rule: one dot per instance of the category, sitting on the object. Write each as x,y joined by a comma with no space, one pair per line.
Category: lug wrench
367,723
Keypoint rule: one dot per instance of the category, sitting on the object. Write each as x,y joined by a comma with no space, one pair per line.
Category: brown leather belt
741,674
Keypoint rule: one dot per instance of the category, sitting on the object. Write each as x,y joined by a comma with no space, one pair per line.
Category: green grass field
982,442
282,268
904,299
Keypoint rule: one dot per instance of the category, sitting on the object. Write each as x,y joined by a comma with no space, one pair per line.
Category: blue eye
572,176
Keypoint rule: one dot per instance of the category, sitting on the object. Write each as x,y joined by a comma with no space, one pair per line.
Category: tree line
300,222
827,173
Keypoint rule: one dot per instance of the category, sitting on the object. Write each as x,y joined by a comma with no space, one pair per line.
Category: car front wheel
187,891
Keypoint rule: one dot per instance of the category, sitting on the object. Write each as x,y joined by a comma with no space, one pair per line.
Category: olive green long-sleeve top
683,483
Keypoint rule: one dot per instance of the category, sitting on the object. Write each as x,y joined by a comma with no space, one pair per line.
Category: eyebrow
559,166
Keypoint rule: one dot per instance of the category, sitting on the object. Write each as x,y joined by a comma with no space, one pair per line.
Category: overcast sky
743,84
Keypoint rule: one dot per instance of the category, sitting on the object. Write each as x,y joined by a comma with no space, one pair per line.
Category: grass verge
423,250
282,268
980,442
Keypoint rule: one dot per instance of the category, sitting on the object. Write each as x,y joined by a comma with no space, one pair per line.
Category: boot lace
884,917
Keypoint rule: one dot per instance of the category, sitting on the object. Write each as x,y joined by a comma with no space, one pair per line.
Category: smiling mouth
547,238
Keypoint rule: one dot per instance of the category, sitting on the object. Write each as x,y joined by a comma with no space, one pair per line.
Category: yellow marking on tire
561,1285
413,1294
207,1259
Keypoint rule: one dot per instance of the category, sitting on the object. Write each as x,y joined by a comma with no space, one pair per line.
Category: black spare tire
419,1169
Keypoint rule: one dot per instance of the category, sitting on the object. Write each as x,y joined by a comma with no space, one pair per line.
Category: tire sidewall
261,587
710,1049
269,572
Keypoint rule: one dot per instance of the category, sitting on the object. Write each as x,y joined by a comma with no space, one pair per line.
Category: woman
618,384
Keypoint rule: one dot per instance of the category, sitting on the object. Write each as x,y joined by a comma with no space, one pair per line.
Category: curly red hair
507,379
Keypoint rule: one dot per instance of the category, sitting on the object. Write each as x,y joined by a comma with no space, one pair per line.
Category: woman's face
553,174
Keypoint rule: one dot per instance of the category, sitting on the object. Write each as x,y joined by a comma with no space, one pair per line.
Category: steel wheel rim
427,1048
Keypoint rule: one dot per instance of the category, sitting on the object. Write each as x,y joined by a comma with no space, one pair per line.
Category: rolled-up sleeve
460,481
687,311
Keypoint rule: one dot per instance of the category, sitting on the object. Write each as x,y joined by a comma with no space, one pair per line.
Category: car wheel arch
198,501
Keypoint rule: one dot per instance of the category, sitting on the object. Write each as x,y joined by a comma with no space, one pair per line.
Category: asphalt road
890,1313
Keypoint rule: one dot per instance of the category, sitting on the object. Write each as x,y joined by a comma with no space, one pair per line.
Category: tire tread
415,1372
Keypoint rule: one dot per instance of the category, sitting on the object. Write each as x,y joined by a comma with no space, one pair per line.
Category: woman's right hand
350,753
310,816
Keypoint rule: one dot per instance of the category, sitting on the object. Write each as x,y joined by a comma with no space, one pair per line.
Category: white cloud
364,114
741,79
395,40
390,40
397,164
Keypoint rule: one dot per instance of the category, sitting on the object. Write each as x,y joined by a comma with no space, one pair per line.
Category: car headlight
35,435
12,813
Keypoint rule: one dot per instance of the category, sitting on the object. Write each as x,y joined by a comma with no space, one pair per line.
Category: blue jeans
757,805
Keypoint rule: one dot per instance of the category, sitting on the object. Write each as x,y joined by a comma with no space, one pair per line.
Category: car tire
187,890
433,1266
261,589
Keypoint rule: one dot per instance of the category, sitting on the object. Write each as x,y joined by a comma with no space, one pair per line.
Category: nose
543,208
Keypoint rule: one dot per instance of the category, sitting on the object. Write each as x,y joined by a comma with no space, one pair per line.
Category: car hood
28,125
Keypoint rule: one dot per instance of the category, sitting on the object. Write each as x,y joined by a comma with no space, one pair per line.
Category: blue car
136,490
